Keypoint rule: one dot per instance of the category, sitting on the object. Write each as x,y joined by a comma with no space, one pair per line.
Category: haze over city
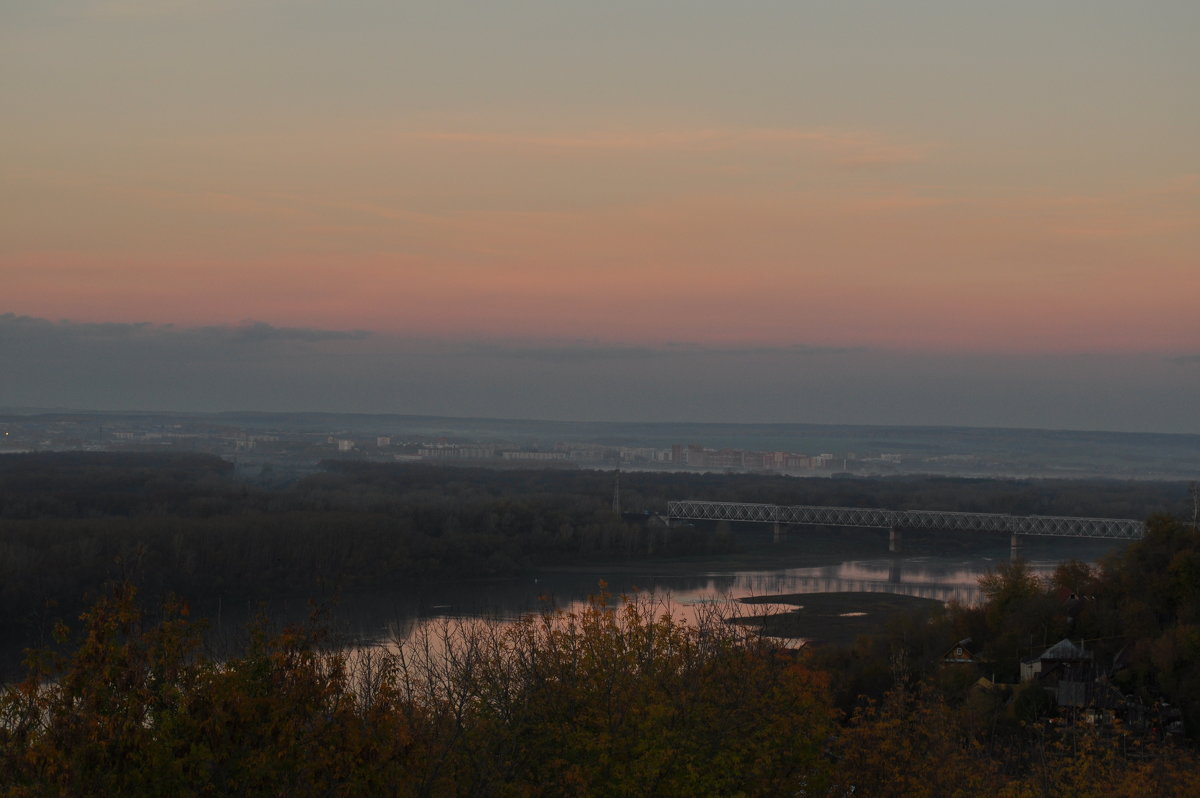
870,213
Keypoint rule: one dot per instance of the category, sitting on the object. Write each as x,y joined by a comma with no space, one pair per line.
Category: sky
928,212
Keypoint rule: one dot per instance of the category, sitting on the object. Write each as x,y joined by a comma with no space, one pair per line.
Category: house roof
959,652
1065,650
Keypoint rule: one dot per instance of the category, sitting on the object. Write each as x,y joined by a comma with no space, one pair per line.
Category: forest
183,523
618,699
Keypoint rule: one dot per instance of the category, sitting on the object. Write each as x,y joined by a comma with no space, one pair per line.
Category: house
1062,658
961,653
1068,672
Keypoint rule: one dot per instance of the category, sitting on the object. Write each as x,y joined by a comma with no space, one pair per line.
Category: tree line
185,523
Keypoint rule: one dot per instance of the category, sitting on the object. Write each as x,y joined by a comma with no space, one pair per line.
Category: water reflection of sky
393,614
686,596
427,611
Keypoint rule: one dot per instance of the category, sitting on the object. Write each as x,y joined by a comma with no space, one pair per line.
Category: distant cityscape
139,434
678,455
295,443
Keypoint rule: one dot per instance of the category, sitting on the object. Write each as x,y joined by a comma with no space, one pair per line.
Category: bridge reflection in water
896,576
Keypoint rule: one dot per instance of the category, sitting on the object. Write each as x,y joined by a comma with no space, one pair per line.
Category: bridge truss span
808,515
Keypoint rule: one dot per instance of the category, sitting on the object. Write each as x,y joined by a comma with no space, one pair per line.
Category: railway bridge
898,520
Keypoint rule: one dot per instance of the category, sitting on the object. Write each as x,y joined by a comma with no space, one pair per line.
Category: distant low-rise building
725,458
458,452
534,456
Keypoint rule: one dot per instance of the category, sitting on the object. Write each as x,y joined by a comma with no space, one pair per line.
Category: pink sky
882,267
852,177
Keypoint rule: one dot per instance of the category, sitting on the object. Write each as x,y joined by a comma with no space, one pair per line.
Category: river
389,616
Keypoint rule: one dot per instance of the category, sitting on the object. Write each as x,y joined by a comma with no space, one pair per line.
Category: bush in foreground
618,699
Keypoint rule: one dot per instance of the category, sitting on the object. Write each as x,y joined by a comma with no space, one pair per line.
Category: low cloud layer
25,330
258,366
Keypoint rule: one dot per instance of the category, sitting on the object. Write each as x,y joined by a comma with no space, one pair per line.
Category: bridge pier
894,540
1014,547
778,533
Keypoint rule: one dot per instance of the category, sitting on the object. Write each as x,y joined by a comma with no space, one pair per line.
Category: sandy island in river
835,617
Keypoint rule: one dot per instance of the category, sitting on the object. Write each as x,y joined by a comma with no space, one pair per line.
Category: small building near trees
961,653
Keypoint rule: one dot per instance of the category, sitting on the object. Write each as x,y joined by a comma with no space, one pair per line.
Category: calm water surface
388,617
393,615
